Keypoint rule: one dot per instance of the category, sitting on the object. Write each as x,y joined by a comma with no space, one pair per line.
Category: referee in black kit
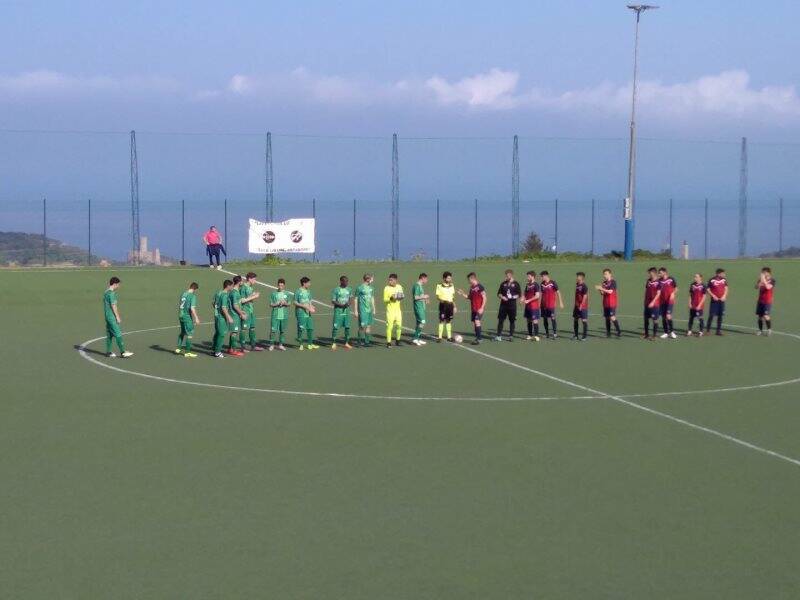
509,294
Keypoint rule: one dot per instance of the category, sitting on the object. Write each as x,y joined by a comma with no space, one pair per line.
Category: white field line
620,400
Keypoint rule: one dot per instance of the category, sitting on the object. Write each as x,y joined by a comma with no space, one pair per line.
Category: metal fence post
592,248
314,216
355,211
705,228
475,253
183,230
437,230
89,232
670,227
555,236
44,232
780,224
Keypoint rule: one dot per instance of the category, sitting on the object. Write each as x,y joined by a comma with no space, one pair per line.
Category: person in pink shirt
213,241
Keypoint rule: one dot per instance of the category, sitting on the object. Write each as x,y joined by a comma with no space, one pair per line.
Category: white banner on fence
294,235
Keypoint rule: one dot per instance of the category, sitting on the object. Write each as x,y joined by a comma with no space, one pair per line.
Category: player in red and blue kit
669,291
580,311
608,290
718,290
766,289
697,301
477,304
532,296
550,293
652,302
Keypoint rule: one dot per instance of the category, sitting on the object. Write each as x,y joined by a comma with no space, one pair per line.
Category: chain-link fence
455,194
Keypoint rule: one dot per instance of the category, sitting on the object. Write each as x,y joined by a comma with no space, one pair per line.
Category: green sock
367,338
333,335
310,334
252,336
109,342
188,344
346,335
180,342
418,332
121,344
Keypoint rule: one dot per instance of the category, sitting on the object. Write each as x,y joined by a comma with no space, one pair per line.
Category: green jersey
302,296
365,294
187,303
340,296
220,302
109,300
279,312
246,291
417,290
234,302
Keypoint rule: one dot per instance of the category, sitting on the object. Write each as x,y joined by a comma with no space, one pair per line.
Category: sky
714,68
202,82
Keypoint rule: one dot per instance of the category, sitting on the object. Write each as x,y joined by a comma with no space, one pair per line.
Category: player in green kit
279,301
249,296
222,317
238,316
113,320
303,309
365,310
341,298
187,318
420,304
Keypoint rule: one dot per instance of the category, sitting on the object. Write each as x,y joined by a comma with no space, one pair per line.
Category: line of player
234,309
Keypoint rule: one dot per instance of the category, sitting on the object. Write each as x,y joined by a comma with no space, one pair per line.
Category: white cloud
45,83
727,94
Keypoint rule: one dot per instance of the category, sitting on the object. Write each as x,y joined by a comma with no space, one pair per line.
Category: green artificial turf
510,470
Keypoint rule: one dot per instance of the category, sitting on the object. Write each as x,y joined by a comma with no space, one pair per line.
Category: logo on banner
296,236
269,236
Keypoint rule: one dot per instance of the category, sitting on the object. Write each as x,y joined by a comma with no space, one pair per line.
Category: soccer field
614,468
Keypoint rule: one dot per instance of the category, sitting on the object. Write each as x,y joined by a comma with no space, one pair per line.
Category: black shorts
446,311
696,313
531,313
580,313
652,313
549,313
763,309
507,311
476,316
609,312
716,308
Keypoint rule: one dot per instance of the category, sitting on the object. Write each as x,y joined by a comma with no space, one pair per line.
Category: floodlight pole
629,200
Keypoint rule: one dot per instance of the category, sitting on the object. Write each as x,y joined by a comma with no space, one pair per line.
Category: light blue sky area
709,71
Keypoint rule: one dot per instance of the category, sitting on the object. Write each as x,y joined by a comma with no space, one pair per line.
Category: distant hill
792,252
26,249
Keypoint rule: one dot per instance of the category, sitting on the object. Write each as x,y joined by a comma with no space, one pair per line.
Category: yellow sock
399,331
449,328
389,332
441,329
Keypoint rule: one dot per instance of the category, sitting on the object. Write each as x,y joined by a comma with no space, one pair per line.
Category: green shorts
112,329
419,315
365,319
236,325
220,325
341,319
304,321
187,326
250,323
278,325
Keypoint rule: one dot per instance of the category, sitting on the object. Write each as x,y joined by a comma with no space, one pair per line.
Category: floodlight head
640,8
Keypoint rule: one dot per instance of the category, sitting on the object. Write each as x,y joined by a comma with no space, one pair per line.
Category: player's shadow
89,350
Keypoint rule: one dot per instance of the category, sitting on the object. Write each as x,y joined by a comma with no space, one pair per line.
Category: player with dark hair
341,298
477,304
669,291
652,303
446,294
365,309
420,302
187,318
508,293
239,317
279,302
113,320
392,297
697,301
550,293
608,291
249,296
766,290
222,318
718,290
580,311
303,309
532,297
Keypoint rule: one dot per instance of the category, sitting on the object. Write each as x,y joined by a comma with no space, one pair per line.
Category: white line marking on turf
623,401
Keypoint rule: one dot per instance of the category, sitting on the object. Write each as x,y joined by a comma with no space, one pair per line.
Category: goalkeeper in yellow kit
392,297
